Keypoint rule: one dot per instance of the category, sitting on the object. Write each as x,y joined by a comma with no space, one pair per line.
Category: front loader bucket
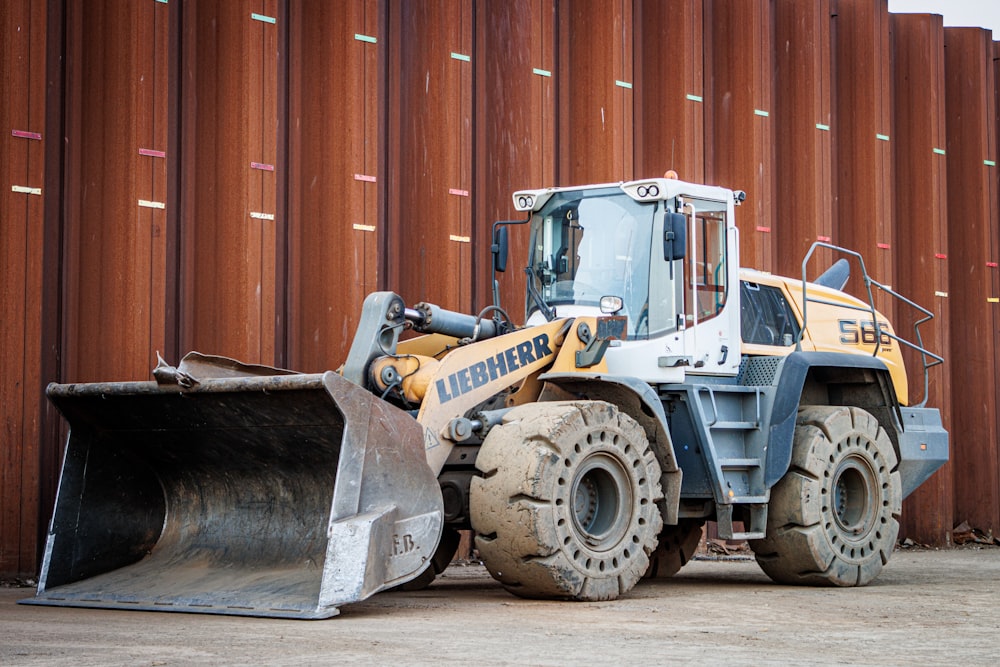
282,495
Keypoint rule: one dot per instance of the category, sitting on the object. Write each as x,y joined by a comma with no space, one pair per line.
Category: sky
982,13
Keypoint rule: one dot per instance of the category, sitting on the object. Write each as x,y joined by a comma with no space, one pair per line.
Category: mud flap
274,495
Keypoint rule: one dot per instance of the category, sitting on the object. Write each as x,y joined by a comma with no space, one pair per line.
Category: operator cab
661,252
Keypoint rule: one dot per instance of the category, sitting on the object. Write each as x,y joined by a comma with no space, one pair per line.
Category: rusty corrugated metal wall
22,283
971,127
236,175
920,166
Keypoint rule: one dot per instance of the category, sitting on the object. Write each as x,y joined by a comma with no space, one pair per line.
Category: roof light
531,200
645,191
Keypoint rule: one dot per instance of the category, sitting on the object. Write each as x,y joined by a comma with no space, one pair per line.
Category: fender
831,369
638,400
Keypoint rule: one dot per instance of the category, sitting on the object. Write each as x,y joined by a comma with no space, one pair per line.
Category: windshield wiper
548,312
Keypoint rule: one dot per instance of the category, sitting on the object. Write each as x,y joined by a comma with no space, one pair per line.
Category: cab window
705,274
765,316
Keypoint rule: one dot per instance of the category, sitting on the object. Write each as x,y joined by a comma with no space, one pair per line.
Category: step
735,426
747,500
739,464
755,528
748,536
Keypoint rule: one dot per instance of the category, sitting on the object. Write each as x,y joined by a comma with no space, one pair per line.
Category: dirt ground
928,607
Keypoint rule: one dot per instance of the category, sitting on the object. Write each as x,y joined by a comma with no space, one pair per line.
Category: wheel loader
655,385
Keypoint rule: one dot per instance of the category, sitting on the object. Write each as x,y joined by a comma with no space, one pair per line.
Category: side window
766,318
709,266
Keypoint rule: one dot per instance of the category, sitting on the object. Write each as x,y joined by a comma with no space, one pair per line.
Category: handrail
869,282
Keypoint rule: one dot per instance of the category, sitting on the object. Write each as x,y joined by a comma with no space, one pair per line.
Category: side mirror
674,236
499,248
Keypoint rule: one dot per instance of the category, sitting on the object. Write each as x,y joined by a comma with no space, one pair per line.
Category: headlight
611,304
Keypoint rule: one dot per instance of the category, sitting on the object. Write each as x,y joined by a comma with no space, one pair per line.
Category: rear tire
677,546
834,517
567,504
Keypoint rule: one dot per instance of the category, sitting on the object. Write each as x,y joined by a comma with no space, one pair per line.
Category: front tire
834,517
567,504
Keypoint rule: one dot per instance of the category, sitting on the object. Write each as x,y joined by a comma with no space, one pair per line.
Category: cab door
711,288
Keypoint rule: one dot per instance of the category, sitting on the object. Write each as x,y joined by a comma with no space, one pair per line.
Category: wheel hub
854,489
585,501
601,501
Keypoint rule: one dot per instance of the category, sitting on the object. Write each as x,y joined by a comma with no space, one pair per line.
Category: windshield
587,244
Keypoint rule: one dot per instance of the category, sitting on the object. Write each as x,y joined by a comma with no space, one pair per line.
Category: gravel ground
928,607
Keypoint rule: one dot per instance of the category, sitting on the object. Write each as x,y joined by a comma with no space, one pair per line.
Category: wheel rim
854,493
601,501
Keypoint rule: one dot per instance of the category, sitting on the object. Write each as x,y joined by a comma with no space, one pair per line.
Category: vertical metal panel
151,154
972,174
262,230
115,189
22,134
333,176
228,234
993,265
863,196
177,93
670,90
595,90
544,44
515,139
742,109
918,142
430,137
51,427
802,127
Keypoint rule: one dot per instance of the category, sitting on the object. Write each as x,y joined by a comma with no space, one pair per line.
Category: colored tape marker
145,203
364,177
261,216
23,189
364,228
460,239
24,134
460,193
